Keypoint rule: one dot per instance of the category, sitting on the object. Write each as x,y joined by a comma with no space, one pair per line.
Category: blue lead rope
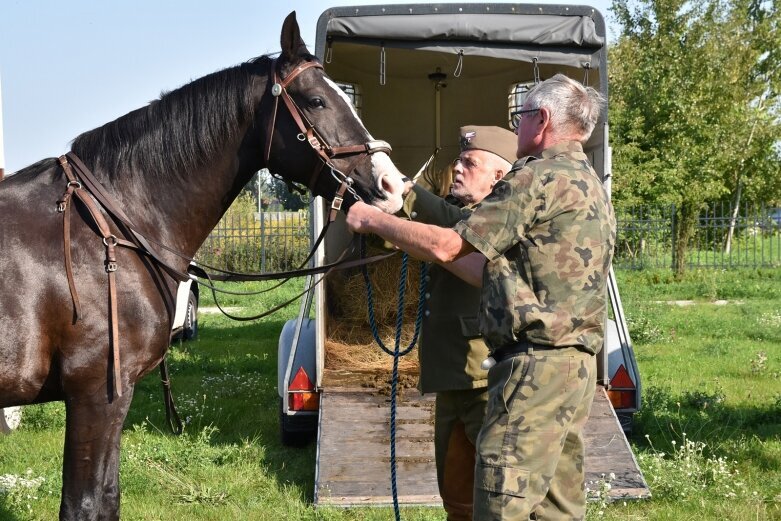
397,353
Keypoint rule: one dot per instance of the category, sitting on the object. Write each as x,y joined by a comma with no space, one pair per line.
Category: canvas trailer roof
564,35
391,56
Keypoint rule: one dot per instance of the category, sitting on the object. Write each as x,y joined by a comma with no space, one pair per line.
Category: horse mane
178,133
36,168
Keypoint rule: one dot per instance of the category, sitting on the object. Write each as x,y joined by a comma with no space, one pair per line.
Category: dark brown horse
173,167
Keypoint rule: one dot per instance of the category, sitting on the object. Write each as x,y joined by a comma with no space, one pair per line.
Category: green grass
711,372
712,394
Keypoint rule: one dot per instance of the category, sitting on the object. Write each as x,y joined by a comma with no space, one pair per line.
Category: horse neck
181,211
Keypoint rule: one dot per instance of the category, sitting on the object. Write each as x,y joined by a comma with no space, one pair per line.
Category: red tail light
303,396
622,392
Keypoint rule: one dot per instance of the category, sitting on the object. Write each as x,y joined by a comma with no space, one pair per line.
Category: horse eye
317,103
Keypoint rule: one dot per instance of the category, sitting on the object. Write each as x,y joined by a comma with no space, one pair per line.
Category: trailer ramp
353,450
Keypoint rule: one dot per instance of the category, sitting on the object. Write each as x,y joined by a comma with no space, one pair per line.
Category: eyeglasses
517,115
466,162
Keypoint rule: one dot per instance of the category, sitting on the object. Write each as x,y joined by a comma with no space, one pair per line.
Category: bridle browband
309,133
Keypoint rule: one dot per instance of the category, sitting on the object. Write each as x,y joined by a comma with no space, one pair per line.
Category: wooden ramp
353,450
608,451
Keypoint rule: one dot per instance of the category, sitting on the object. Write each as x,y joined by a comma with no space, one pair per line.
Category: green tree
694,94
290,200
271,189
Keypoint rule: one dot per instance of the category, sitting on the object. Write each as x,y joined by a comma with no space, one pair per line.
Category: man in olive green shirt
451,349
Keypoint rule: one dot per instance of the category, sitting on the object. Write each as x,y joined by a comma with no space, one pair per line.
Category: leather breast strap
110,241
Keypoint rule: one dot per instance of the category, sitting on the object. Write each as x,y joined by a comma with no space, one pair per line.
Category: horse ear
290,40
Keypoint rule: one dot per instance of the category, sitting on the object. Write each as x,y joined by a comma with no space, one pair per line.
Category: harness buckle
336,204
111,260
315,142
61,205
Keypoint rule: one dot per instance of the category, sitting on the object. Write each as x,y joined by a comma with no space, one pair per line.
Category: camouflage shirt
548,232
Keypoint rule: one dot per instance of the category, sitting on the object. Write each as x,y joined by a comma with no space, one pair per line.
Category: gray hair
574,109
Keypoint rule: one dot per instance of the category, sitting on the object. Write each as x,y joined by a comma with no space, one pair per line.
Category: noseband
309,133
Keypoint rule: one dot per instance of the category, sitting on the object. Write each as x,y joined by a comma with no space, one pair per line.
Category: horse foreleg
90,472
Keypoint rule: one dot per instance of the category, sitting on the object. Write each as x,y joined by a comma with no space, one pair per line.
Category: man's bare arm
423,241
468,268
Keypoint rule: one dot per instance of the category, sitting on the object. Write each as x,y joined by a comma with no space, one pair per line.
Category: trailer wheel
190,329
10,417
296,431
627,420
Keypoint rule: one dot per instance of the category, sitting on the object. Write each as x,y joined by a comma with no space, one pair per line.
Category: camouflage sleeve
423,206
505,215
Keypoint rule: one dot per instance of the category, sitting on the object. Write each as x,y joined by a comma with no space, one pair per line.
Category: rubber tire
296,431
190,327
627,421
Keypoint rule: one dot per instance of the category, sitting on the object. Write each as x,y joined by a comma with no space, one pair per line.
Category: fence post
672,235
262,241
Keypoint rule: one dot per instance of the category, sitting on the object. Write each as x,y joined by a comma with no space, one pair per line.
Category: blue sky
68,67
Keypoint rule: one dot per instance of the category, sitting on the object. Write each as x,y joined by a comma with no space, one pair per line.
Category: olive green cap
497,140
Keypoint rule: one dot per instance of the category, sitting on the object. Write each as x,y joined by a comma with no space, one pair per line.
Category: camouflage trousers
530,450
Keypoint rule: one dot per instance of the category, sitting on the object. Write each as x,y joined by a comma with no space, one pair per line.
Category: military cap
496,140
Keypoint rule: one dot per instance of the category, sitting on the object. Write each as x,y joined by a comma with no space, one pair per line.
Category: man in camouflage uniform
451,349
540,245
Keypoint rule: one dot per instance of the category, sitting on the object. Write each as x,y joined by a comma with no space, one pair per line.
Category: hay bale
367,358
349,343
348,298
354,348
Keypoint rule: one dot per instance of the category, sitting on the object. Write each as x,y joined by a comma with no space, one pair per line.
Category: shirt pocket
508,481
470,326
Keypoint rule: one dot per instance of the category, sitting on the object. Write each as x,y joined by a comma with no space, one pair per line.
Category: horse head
333,153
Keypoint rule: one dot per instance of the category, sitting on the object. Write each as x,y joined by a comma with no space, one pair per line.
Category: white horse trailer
416,73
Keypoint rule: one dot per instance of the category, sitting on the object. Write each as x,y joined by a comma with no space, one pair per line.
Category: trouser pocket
508,481
501,493
504,379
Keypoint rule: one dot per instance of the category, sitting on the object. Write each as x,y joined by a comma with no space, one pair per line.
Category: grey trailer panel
547,30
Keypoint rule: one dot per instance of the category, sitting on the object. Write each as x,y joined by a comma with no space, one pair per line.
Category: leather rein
83,185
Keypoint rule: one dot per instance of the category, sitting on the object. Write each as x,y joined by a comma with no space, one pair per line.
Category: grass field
708,438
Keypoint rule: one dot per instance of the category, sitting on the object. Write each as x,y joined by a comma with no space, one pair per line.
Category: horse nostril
386,185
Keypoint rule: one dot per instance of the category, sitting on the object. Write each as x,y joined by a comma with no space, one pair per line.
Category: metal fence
275,241
266,241
646,238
